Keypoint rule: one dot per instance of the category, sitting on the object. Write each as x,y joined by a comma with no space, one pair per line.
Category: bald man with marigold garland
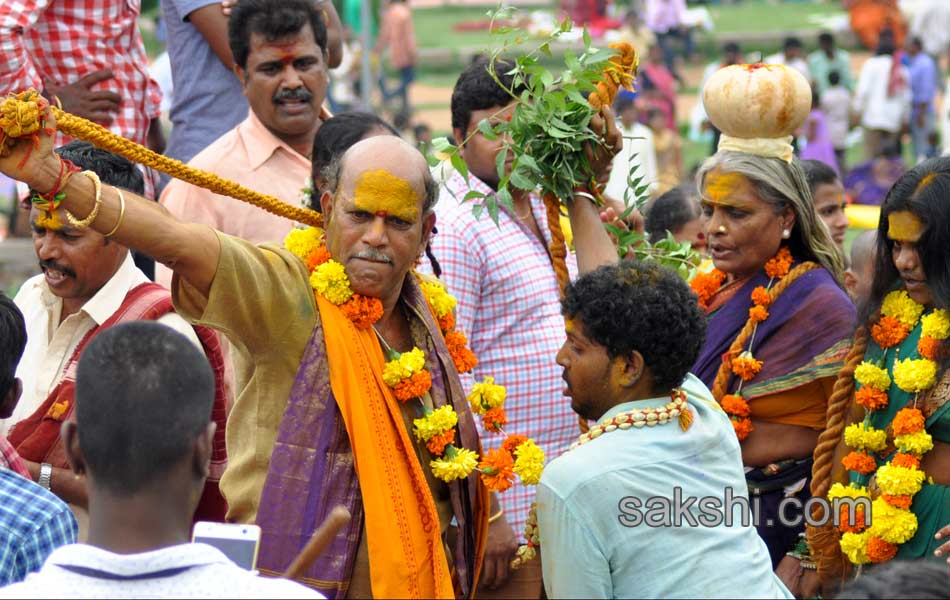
347,369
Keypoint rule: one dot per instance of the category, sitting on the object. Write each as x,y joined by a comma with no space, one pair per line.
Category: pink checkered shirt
9,459
57,42
508,307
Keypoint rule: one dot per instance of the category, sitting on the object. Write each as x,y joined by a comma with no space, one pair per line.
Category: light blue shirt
591,544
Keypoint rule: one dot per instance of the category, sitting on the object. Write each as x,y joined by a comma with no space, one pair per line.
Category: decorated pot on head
757,108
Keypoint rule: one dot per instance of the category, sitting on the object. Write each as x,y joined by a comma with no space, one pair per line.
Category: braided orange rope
721,384
21,115
823,541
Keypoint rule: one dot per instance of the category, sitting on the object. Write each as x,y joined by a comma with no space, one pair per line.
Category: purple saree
312,468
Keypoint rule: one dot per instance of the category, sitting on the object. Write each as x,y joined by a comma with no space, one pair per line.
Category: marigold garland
497,470
761,297
757,314
891,521
779,265
705,286
746,366
735,405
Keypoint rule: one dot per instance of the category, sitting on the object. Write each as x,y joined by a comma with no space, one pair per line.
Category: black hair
623,102
111,168
335,137
886,43
825,37
640,306
273,19
900,580
834,77
476,90
420,128
143,396
670,212
928,201
12,342
731,48
792,42
817,173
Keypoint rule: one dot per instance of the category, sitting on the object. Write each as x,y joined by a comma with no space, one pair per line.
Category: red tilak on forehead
382,214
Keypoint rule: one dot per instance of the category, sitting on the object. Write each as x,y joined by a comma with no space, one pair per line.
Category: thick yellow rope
21,115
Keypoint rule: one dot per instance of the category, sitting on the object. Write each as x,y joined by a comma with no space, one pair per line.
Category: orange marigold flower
494,419
889,332
705,285
512,442
447,322
930,348
437,443
880,551
844,521
908,461
758,314
462,356
497,469
779,266
413,387
742,427
363,311
907,420
898,501
871,398
735,405
859,462
317,257
761,296
746,366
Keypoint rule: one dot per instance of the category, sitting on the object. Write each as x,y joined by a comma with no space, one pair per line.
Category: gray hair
333,172
782,184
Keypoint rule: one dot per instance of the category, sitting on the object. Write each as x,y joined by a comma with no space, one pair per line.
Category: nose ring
722,229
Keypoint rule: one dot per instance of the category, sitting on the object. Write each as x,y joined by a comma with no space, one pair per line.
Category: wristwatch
46,476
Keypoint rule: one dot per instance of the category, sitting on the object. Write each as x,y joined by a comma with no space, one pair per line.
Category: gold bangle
84,223
494,518
121,212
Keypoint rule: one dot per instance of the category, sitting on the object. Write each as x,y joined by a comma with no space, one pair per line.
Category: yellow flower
458,466
859,438
899,481
847,491
891,524
917,443
331,282
486,395
936,325
854,546
437,422
301,242
915,375
441,301
899,305
404,367
529,462
873,376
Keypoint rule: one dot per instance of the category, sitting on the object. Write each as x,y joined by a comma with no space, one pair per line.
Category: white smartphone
237,542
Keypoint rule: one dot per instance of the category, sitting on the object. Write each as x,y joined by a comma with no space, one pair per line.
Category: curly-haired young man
638,510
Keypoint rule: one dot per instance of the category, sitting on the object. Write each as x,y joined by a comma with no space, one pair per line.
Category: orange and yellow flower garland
745,366
407,376
892,522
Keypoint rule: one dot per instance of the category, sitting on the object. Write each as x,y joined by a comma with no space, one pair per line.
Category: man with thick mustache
89,283
280,56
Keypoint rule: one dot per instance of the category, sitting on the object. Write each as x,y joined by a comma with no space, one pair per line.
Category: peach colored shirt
252,156
397,33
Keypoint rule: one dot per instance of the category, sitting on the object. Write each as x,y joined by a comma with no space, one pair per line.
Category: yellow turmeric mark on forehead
381,192
569,325
49,221
927,180
904,226
721,187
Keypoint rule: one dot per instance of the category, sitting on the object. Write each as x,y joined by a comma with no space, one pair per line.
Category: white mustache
375,255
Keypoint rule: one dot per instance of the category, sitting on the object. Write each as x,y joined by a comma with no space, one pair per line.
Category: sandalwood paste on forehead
904,226
381,192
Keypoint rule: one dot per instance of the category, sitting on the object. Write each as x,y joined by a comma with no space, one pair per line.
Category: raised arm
190,250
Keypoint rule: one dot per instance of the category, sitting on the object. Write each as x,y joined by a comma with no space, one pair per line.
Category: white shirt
877,109
799,64
50,344
183,571
637,151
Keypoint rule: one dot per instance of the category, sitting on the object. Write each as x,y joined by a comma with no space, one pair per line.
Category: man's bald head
862,249
384,159
860,275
